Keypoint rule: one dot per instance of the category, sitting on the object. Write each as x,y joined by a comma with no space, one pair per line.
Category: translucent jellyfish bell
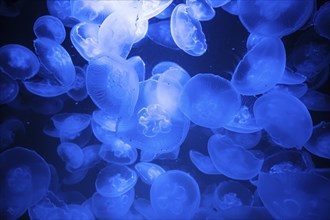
115,180
261,68
160,33
284,118
18,61
322,20
104,126
319,142
9,89
118,152
11,129
51,27
175,195
112,85
187,31
203,163
62,10
148,172
233,160
71,122
316,101
78,91
139,66
45,87
209,100
201,9
71,154
274,18
24,179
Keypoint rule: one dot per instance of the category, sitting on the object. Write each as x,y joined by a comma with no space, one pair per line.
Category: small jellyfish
118,152
115,180
291,77
175,195
24,180
51,27
62,10
78,91
163,66
233,160
18,61
112,207
9,89
56,60
160,33
11,130
139,66
71,154
187,31
104,126
171,155
203,163
112,85
209,100
166,13
150,9
229,194
49,106
297,90
91,156
274,18
74,176
71,122
319,143
322,20
148,172
261,68
147,156
285,119
316,101
201,9
45,87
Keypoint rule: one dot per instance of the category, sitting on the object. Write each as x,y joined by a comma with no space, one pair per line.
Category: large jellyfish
209,100
175,195
160,33
322,21
51,27
284,118
24,180
201,9
62,10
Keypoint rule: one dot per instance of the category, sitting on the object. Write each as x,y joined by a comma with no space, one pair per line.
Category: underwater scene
164,109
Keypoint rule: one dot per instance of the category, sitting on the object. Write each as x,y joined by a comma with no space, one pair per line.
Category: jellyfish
150,9
166,13
56,60
319,142
316,101
253,40
163,66
9,9
118,152
160,33
73,177
139,66
11,129
233,160
71,154
147,156
18,61
187,31
71,122
115,180
231,7
261,68
209,100
62,10
285,119
148,172
291,77
45,87
91,156
25,178
112,85
274,19
143,206
218,3
229,194
175,195
9,89
201,10
203,163
112,207
104,126
78,91
49,106
297,90
51,27
172,155
322,20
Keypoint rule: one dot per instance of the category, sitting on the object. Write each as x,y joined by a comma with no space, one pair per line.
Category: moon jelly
187,31
160,33
115,180
9,89
78,91
316,101
62,10
175,195
203,163
11,129
284,118
18,62
118,152
49,27
24,180
71,122
148,172
274,18
201,9
322,21
71,154
209,100
261,68
112,85
319,143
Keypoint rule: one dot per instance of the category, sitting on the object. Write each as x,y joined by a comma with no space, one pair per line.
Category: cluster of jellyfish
258,122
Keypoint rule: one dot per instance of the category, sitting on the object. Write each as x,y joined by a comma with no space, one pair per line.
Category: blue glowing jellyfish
175,195
274,18
163,66
166,13
25,178
78,91
139,66
51,27
112,207
71,122
118,152
253,40
45,87
49,106
71,154
112,85
201,9
9,89
203,163
148,172
209,100
73,177
319,143
11,130
322,20
160,33
297,90
62,10
18,62
261,68
285,119
143,207
291,77
104,126
316,101
115,180
218,3
231,7
187,31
